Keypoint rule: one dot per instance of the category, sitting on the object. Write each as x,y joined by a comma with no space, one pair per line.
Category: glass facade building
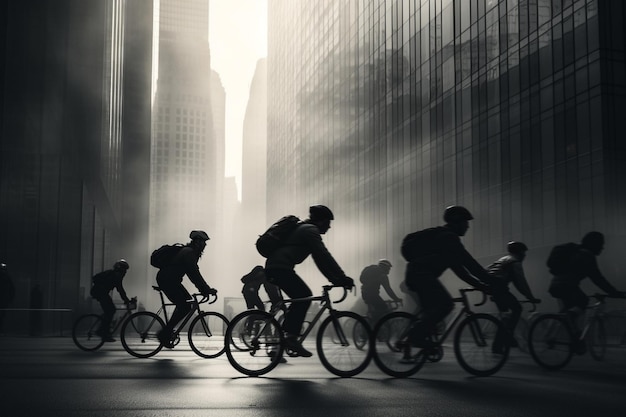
389,111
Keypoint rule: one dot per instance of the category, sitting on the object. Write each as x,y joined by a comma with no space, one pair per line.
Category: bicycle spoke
550,342
85,332
254,343
206,334
139,334
338,352
390,356
481,344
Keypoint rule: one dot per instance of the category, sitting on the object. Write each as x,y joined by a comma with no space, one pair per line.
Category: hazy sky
238,38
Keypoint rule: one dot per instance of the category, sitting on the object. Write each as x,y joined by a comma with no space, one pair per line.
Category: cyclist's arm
193,272
596,276
465,266
389,290
519,280
322,257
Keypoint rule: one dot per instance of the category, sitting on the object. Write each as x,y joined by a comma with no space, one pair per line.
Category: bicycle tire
360,335
85,332
336,348
596,337
392,360
139,334
481,344
206,334
256,350
550,342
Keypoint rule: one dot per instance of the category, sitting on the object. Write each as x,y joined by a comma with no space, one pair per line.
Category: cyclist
102,285
442,249
372,278
305,240
170,280
582,263
509,269
252,283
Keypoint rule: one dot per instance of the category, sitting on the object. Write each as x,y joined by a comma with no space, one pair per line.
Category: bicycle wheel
337,349
139,334
85,332
481,344
399,362
550,341
360,335
206,334
596,339
254,342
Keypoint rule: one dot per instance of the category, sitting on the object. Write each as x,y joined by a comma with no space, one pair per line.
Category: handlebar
199,298
482,301
327,288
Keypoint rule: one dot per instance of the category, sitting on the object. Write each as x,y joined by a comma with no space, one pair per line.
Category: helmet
319,212
456,214
121,264
199,235
3,266
384,262
516,247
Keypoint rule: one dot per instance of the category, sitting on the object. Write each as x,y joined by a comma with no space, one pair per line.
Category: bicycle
139,332
473,341
86,328
520,334
255,342
553,338
360,335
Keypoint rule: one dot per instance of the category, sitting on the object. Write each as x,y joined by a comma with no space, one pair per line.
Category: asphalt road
50,377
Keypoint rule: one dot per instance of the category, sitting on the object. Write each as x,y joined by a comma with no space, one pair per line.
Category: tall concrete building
74,147
389,111
187,149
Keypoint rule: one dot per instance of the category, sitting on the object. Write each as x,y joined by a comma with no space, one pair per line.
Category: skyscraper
390,111
185,148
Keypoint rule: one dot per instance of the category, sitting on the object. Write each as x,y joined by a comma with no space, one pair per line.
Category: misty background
127,124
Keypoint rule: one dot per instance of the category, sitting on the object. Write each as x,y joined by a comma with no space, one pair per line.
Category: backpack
560,258
274,237
164,256
418,243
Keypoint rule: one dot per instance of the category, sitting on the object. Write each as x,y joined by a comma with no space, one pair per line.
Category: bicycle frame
325,303
195,302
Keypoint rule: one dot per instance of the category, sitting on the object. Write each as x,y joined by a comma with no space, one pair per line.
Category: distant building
390,111
187,144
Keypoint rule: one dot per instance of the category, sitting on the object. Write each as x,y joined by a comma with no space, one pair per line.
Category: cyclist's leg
289,282
178,295
505,301
436,304
108,311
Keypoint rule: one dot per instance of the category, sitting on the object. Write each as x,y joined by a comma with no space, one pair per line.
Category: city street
51,377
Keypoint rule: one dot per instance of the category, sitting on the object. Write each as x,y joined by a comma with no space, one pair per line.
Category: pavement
42,377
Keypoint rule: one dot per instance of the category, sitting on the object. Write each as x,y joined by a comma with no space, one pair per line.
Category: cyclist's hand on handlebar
346,282
210,291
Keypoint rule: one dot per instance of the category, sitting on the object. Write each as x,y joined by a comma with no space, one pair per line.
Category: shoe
291,343
165,338
272,353
107,338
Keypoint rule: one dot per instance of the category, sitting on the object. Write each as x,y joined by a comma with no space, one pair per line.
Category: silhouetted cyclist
373,277
170,280
582,263
279,267
252,283
102,284
509,269
441,250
